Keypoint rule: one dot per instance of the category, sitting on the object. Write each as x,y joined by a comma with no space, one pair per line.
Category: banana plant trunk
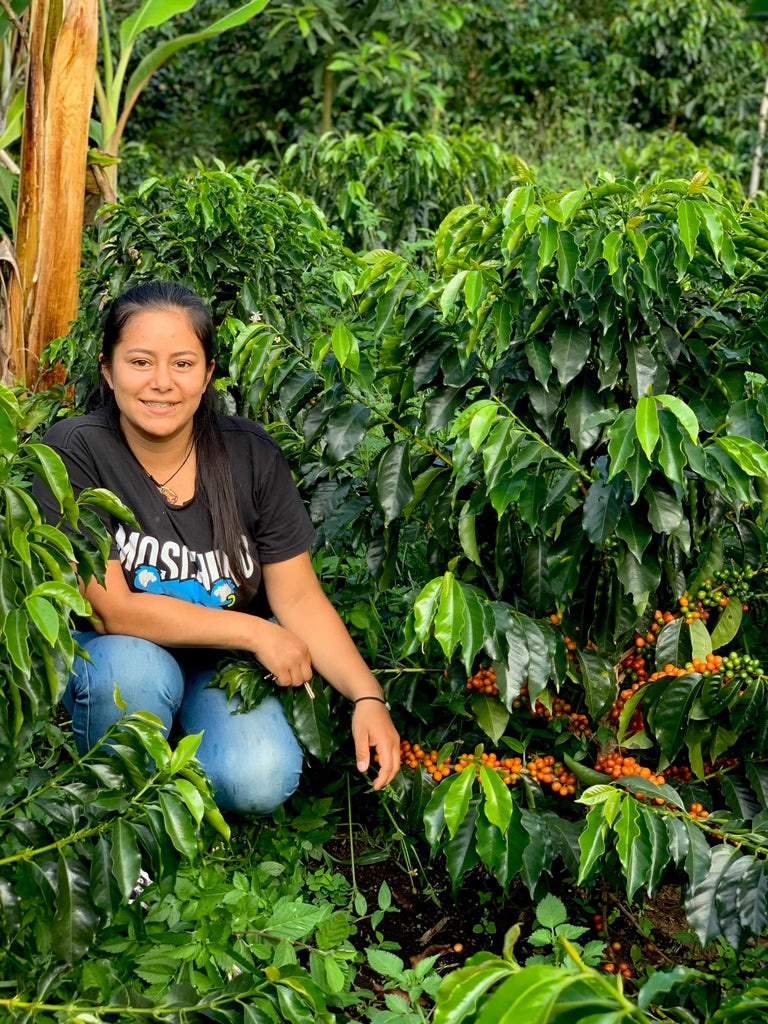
42,296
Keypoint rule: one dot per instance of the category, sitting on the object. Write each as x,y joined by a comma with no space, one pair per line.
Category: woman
219,515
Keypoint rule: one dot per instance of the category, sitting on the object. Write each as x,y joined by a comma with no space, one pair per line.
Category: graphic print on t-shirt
175,570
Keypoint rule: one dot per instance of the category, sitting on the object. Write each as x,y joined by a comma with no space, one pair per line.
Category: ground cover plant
536,462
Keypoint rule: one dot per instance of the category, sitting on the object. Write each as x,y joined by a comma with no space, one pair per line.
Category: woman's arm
173,622
299,604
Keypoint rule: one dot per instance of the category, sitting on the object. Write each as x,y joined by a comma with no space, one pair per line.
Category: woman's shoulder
76,431
248,432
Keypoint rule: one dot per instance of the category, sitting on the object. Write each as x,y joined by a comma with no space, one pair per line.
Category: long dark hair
215,481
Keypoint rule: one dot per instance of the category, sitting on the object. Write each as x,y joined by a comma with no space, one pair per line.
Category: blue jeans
253,760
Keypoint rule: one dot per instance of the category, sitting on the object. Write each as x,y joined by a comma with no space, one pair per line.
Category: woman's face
158,374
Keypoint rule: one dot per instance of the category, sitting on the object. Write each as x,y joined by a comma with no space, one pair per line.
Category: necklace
168,492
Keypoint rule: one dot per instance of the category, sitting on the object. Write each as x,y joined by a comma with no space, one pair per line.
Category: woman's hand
282,653
372,727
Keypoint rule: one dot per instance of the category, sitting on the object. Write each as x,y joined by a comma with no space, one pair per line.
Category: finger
362,748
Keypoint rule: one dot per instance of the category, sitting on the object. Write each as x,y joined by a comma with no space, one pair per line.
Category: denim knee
253,760
147,676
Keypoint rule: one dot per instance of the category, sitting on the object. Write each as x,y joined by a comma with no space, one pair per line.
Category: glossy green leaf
394,484
44,616
688,223
647,424
449,619
345,347
75,920
179,824
498,801
126,859
570,348
748,456
311,722
457,797
599,680
491,715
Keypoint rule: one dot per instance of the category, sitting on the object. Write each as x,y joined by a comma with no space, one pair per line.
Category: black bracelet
379,699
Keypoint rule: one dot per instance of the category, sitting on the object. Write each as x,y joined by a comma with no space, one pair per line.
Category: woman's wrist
380,700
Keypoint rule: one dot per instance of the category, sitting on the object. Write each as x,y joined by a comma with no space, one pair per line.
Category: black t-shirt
174,553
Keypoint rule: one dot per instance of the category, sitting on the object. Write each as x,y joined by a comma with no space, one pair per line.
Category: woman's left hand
372,727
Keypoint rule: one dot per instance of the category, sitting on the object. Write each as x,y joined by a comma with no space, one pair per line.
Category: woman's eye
140,362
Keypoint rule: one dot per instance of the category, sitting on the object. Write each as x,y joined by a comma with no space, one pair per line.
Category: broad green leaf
51,469
44,616
394,484
567,260
748,456
633,846
468,536
490,714
450,293
611,245
345,430
74,923
701,642
663,980
449,620
311,722
99,497
569,351
16,632
599,680
150,14
179,825
550,912
459,793
192,798
345,347
461,991
592,842
668,715
473,289
425,606
700,902
647,424
461,850
688,223
63,592
673,644
126,859
623,437
498,801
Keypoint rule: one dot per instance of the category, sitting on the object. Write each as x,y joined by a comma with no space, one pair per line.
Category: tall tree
42,292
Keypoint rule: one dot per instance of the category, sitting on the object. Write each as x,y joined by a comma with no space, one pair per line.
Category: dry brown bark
62,65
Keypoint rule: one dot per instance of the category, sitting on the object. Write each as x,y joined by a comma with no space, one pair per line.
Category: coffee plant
537,467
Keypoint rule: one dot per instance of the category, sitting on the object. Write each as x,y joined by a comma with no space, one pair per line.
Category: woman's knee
147,677
253,760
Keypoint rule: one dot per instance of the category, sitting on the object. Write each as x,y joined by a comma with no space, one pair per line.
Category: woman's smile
158,373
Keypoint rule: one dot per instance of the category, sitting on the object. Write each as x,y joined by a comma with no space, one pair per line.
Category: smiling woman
184,586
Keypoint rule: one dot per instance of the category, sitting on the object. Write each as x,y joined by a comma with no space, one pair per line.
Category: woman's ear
209,373
104,370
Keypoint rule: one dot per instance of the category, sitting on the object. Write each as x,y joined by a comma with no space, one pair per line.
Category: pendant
170,495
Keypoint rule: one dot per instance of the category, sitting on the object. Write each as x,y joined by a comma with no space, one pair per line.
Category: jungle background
494,275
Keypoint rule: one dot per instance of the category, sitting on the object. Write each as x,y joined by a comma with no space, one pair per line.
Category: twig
14,18
431,932
635,923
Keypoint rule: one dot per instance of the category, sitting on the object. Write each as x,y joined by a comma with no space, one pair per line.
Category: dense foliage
529,421
542,451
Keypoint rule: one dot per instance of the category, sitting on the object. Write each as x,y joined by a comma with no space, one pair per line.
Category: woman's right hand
282,653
